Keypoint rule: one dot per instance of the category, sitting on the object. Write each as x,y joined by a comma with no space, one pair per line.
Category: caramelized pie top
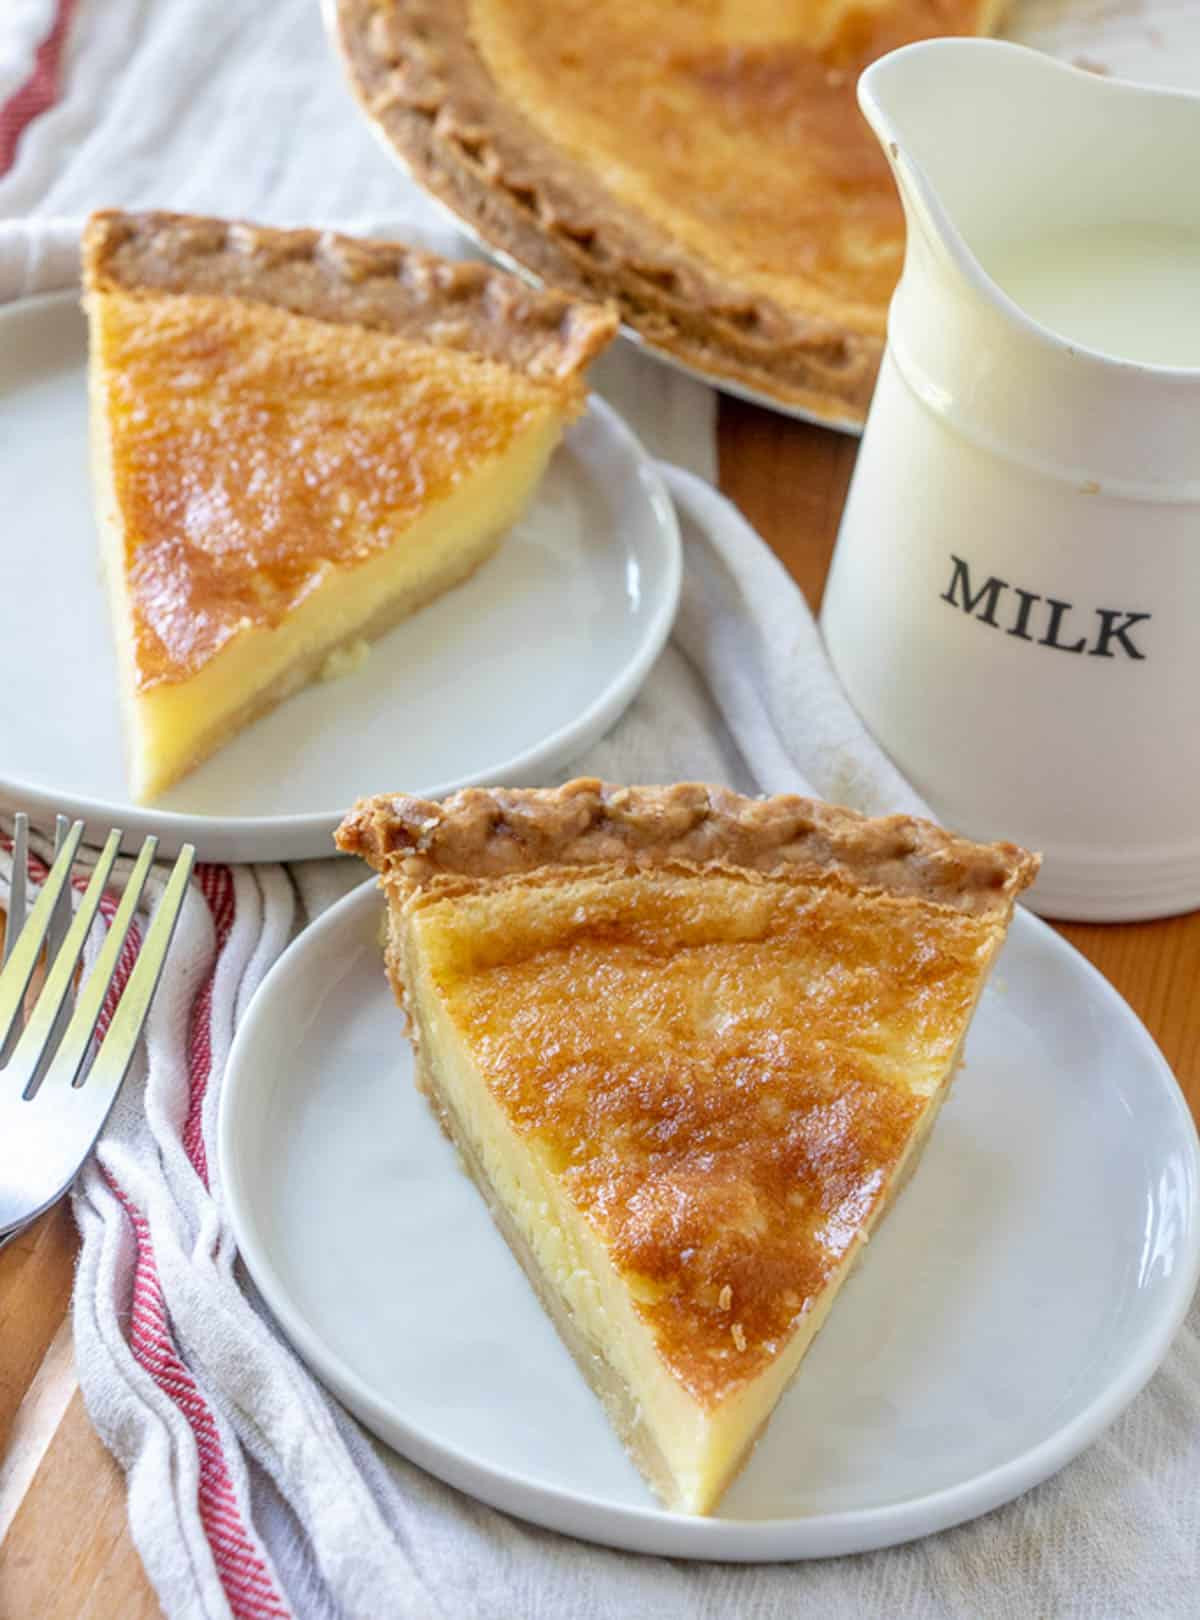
704,164
284,403
717,1020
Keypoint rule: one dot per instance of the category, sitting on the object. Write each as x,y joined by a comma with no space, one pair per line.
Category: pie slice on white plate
298,440
690,1045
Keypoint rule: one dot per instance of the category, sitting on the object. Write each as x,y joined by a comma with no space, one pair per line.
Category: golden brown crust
257,456
280,406
384,286
623,1408
421,78
497,832
722,1025
721,1070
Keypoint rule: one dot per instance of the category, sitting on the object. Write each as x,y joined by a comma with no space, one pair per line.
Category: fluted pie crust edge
417,75
383,286
501,832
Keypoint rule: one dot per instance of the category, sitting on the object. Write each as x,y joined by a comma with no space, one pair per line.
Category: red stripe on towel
216,885
40,89
247,1581
245,1578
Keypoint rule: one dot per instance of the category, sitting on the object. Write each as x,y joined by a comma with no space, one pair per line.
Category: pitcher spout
1025,182
993,144
974,131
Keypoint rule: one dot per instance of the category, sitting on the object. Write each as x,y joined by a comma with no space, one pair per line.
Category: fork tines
41,1056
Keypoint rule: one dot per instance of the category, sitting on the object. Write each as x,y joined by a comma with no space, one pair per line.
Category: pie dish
298,439
706,169
690,1045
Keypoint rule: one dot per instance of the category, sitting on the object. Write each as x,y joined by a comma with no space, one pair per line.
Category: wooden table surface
65,1552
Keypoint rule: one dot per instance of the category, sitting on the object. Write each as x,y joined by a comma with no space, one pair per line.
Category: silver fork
53,1100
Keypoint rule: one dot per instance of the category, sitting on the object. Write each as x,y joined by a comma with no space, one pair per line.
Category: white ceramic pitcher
1014,603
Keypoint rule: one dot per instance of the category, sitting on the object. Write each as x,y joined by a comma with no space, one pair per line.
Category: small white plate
1024,1288
503,679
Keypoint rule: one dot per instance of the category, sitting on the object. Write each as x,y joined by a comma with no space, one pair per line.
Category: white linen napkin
251,1493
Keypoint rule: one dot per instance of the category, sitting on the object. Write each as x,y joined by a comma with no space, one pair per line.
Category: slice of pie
298,439
690,1045
705,167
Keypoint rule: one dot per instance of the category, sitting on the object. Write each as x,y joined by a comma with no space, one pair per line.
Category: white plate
1022,1291
504,679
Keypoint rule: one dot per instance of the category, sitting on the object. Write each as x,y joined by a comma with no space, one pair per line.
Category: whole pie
298,439
704,166
690,1045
